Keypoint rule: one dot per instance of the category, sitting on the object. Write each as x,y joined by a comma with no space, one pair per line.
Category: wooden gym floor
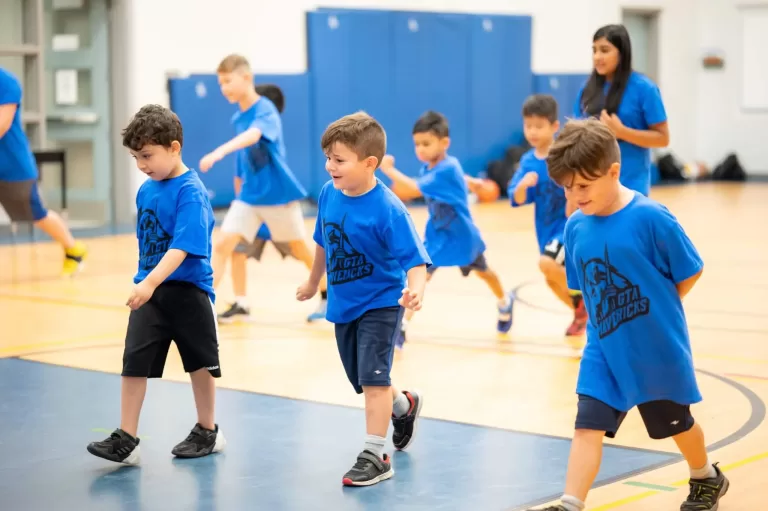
499,412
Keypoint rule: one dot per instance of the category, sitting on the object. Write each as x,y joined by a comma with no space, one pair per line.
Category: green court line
650,486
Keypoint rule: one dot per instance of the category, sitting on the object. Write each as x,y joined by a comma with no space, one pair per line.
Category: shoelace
702,492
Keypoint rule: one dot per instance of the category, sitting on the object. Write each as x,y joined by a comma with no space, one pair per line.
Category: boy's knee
226,244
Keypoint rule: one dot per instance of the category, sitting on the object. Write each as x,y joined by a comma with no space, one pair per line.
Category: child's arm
520,188
241,141
405,187
7,112
686,285
144,290
238,185
318,266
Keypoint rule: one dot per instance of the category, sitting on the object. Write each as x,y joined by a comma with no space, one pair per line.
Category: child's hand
209,159
306,291
140,295
388,162
530,179
411,299
612,121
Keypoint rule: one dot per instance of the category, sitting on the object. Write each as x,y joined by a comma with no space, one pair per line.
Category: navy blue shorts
479,264
21,200
663,419
367,345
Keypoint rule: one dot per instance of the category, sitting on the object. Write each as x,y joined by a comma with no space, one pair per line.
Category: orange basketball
488,191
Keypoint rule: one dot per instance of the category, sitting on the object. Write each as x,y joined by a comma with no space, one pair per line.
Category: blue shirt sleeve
572,278
653,106
190,233
10,89
404,242
530,194
675,255
269,125
318,234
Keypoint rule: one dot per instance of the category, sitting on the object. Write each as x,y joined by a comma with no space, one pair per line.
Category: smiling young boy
452,238
367,243
172,299
634,263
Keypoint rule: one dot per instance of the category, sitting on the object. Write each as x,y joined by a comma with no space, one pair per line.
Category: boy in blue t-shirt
173,295
634,264
19,190
270,192
451,237
239,309
531,184
376,266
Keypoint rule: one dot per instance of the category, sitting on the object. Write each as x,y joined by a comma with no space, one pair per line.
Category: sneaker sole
132,459
415,421
382,477
234,319
218,446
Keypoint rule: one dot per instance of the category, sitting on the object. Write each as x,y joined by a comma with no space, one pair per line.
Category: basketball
487,191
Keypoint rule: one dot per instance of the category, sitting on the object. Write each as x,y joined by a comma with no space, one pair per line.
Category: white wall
702,105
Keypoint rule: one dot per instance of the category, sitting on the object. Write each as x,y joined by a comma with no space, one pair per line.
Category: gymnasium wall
274,37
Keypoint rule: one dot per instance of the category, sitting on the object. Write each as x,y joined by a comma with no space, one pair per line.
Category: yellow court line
679,484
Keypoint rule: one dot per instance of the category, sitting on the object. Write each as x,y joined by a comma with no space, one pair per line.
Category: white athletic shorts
284,221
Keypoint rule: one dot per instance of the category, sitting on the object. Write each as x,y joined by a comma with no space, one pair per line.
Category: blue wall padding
206,117
395,65
565,89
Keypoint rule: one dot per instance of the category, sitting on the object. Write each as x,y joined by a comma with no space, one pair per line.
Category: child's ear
615,170
372,163
175,147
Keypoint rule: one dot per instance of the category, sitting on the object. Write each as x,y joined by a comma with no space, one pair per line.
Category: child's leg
552,265
242,222
146,347
664,419
594,421
240,308
22,201
482,270
196,336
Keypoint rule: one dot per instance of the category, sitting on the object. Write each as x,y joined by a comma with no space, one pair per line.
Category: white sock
401,405
403,325
705,472
375,444
572,503
242,301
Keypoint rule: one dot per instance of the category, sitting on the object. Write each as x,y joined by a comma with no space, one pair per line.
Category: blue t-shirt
267,179
176,213
548,199
17,163
451,238
370,243
627,266
641,107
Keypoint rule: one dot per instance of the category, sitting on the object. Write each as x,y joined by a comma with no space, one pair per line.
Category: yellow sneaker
73,259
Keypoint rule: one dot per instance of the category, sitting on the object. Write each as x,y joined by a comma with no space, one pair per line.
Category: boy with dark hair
531,184
19,189
173,295
270,192
634,263
376,265
451,238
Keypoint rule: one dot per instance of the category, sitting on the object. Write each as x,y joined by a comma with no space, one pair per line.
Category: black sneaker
369,469
404,428
706,493
120,447
234,313
200,442
550,508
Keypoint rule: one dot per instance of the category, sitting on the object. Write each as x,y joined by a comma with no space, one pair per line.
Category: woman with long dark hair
628,102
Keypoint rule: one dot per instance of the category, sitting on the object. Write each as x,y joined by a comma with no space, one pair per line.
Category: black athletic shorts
179,312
